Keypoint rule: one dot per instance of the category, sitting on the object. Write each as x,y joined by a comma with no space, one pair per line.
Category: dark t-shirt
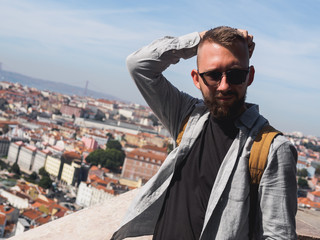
186,200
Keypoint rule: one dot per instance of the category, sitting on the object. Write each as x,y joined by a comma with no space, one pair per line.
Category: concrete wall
99,222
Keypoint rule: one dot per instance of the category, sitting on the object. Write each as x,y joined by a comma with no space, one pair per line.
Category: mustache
227,93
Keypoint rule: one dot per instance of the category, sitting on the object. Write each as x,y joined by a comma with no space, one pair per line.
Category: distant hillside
51,86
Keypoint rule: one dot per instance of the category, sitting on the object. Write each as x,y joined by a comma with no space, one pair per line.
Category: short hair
224,36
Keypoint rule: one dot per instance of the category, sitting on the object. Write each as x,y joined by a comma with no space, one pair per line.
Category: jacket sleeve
278,192
146,65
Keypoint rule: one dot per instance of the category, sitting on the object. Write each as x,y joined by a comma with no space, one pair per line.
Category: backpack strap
257,164
259,152
182,129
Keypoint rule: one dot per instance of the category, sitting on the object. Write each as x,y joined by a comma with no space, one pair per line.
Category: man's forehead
237,49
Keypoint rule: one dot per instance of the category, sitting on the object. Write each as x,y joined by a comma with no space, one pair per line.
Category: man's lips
225,98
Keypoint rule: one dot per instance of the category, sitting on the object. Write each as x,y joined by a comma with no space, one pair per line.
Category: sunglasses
234,76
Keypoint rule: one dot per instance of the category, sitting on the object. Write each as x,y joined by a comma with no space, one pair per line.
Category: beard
224,111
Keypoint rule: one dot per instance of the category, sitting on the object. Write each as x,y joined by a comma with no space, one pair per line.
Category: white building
22,226
128,113
100,195
15,199
14,150
26,158
84,194
89,195
40,160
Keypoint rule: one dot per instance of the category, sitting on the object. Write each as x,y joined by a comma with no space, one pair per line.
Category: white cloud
59,26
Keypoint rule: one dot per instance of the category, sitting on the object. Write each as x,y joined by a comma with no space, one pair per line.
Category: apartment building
54,165
4,146
142,163
14,150
26,158
70,172
40,160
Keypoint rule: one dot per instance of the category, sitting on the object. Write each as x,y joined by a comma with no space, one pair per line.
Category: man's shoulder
283,146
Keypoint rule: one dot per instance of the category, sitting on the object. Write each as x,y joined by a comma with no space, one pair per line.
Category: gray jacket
228,207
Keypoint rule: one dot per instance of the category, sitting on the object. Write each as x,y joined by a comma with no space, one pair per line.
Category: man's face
224,100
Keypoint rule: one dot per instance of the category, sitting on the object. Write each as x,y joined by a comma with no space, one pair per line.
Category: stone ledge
99,222
96,222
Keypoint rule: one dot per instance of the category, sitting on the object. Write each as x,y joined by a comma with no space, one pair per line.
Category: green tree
114,144
16,169
5,129
33,176
43,172
169,147
45,182
3,165
302,183
109,135
303,172
96,157
111,158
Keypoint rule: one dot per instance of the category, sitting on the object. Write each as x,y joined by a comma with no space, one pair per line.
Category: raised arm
146,66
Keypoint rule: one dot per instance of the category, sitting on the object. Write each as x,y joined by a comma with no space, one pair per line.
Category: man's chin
225,110
221,113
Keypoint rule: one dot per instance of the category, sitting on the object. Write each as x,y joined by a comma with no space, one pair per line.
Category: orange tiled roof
8,211
98,180
104,101
2,218
307,201
316,193
301,162
32,214
111,191
60,213
146,154
94,168
43,220
106,170
36,205
72,155
155,148
9,227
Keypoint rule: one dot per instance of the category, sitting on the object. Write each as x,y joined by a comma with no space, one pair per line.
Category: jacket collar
249,117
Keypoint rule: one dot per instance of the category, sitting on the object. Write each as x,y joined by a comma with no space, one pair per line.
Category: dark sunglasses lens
213,76
236,76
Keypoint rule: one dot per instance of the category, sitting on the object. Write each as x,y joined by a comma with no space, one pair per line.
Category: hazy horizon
78,41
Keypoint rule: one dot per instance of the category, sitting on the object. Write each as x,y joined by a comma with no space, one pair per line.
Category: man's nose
223,84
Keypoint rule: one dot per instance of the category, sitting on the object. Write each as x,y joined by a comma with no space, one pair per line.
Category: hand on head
249,39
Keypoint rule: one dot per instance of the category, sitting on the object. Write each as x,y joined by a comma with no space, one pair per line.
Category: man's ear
195,77
251,75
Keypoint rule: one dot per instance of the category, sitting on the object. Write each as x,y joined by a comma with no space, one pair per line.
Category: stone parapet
100,221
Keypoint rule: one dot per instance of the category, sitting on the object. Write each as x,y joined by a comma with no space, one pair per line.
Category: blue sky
77,41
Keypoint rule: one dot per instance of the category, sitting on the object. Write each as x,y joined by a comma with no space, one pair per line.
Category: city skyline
77,41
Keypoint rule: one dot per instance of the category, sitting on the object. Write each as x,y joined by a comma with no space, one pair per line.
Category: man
202,190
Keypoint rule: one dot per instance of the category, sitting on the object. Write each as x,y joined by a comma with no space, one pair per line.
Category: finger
251,49
244,33
250,38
